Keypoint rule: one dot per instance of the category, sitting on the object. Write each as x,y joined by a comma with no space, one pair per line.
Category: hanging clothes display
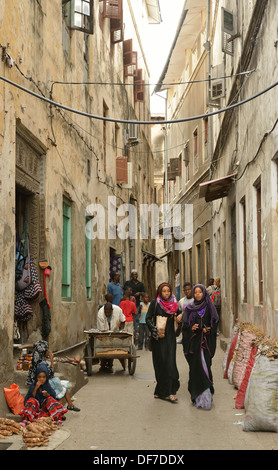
27,285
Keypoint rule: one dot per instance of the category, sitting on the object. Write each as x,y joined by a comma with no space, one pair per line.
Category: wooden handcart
109,345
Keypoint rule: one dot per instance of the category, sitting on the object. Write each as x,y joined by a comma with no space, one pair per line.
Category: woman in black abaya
199,328
162,322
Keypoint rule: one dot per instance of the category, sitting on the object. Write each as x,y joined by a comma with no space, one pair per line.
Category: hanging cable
154,84
258,151
125,121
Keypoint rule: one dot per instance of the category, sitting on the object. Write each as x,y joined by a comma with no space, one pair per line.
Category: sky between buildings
158,41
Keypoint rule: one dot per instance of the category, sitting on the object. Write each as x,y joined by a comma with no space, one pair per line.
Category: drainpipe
208,48
166,153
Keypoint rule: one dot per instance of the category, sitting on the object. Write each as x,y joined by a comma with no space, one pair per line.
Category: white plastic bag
261,396
233,360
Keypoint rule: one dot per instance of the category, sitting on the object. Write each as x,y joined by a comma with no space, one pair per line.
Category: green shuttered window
66,274
88,258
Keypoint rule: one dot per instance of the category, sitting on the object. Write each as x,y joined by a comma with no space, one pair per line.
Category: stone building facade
59,166
234,191
245,142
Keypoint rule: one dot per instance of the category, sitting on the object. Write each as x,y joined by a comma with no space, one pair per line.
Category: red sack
243,387
230,354
14,399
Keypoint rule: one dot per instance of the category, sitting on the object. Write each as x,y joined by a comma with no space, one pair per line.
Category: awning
216,189
147,256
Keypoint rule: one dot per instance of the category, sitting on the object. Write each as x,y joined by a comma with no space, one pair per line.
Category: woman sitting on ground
40,354
41,399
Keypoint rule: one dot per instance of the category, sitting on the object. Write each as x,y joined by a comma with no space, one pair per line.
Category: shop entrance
29,213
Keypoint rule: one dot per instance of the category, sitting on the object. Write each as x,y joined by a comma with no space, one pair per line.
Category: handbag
161,325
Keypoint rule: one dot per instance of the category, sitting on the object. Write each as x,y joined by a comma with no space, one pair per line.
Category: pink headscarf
169,306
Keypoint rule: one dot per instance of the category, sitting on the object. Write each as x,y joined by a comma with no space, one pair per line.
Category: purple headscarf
191,309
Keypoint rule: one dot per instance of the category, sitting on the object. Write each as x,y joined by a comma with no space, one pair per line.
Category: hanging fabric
26,277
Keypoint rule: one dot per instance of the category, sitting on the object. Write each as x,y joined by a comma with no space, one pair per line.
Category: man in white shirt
186,300
110,318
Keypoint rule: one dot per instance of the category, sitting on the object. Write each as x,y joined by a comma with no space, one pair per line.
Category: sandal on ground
171,399
24,423
73,408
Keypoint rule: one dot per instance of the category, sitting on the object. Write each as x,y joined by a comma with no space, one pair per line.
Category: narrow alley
138,161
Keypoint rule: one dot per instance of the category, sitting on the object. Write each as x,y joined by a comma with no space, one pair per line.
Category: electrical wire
54,82
258,151
58,82
74,123
125,121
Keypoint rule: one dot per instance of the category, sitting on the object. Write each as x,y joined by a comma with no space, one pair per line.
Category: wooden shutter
117,30
116,25
121,170
130,59
174,168
127,46
111,8
139,92
139,88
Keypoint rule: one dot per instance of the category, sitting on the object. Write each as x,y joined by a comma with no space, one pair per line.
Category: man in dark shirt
138,289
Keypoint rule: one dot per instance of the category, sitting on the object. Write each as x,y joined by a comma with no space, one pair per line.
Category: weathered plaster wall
44,54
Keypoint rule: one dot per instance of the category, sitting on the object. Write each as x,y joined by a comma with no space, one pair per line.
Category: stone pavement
118,412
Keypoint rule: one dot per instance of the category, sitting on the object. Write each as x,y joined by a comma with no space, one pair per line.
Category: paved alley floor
118,412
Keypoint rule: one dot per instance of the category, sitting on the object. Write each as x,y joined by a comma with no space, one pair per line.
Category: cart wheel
132,361
88,359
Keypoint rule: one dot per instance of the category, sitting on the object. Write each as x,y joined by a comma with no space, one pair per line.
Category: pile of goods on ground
37,433
8,427
251,365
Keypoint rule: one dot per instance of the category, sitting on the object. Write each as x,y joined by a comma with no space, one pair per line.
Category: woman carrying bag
162,322
199,329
